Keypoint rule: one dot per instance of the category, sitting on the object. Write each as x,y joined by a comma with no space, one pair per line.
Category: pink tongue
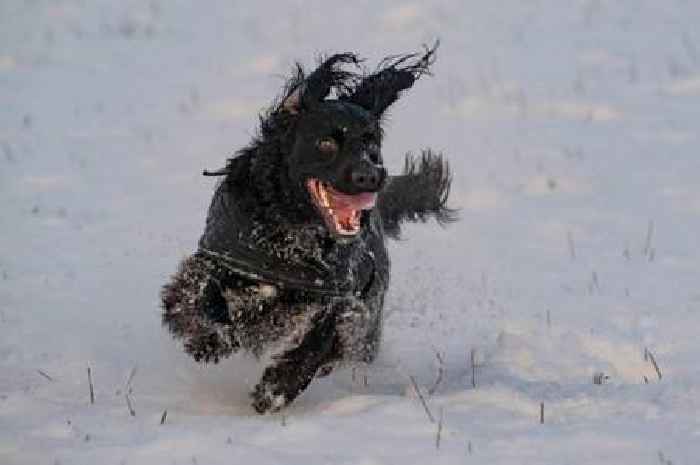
362,201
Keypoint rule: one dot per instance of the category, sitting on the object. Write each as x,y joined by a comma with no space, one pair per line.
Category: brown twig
422,399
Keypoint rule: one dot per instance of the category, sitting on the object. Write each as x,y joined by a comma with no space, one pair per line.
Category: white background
572,129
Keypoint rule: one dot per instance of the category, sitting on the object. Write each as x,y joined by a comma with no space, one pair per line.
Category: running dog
292,261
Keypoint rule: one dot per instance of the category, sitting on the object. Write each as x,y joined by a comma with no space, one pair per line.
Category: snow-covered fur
268,272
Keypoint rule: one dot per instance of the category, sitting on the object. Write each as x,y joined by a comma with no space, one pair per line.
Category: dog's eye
327,145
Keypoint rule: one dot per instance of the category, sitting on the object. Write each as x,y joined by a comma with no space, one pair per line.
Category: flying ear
376,92
306,91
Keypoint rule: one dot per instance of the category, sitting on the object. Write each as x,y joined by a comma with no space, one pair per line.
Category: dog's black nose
368,178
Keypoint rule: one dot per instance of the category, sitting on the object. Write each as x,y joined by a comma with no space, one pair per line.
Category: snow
572,130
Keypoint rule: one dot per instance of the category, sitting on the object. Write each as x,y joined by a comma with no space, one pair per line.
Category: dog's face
334,152
336,156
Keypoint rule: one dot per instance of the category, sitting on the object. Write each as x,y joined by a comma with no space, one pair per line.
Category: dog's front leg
293,370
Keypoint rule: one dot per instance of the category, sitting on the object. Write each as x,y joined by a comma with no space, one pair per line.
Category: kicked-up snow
564,305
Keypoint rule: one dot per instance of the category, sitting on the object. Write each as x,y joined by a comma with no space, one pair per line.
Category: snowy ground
572,127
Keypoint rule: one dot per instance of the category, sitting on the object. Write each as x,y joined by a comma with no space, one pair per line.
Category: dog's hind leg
420,192
293,370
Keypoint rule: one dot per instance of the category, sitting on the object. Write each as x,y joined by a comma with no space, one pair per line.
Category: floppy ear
376,92
306,91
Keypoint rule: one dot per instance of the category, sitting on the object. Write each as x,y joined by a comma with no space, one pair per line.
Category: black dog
292,260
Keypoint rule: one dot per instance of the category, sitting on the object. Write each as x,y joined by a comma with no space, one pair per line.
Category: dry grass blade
422,399
132,412
129,379
45,375
438,435
649,237
600,378
92,388
473,363
594,280
651,358
572,247
440,373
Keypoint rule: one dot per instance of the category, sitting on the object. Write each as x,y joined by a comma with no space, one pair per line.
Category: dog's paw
324,371
266,400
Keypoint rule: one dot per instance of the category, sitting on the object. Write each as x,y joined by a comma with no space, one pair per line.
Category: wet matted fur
292,260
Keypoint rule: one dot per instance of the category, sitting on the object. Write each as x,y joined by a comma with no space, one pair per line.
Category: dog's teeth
346,223
355,221
324,195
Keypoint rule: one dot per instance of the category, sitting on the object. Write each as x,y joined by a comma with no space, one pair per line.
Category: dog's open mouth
341,212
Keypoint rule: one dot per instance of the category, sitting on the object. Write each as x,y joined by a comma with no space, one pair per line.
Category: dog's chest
352,264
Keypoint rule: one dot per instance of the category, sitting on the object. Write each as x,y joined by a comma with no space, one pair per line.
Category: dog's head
336,150
318,156
337,157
